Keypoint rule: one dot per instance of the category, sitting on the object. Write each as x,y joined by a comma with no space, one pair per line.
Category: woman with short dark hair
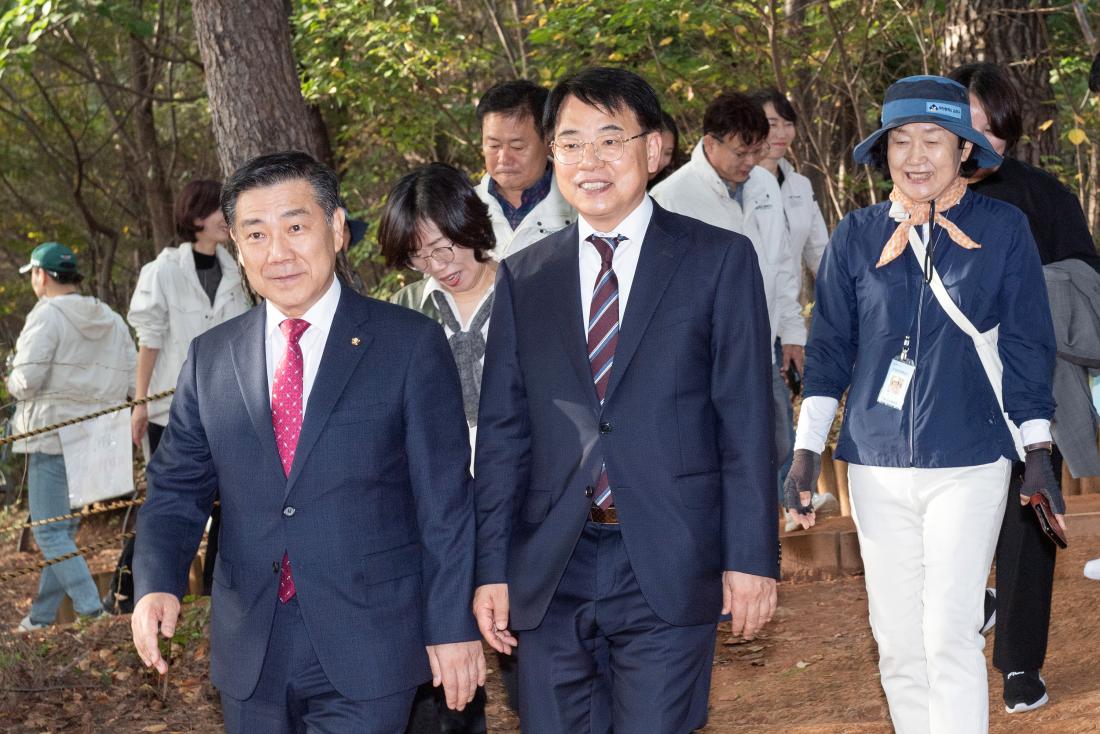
806,231
434,223
807,237
186,290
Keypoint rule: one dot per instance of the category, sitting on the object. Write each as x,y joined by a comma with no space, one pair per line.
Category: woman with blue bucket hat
932,313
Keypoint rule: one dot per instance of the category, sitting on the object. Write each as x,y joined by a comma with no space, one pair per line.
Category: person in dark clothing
1025,558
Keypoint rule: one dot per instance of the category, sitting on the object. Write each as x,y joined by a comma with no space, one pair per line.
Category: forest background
107,107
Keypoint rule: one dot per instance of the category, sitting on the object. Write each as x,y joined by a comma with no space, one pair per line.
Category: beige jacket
74,356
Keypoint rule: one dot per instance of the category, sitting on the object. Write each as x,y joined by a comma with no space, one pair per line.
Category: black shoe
1025,690
990,611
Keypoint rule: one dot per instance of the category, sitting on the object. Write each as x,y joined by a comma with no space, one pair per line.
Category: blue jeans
49,497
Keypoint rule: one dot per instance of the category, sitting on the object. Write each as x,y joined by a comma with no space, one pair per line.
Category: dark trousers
602,661
294,696
1025,580
430,714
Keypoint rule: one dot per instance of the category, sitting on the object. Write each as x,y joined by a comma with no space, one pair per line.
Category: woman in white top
806,234
181,294
806,229
434,223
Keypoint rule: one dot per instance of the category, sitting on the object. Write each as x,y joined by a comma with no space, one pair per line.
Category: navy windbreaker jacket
862,315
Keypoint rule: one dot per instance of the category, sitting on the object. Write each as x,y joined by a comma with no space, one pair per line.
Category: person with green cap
74,356
931,312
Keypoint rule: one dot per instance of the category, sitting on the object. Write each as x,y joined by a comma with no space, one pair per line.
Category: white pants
927,537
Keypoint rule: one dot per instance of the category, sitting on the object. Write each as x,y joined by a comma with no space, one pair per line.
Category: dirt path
818,654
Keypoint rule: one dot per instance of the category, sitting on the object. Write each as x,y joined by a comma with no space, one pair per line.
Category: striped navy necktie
603,335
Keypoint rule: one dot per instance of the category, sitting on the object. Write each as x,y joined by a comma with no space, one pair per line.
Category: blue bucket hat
929,99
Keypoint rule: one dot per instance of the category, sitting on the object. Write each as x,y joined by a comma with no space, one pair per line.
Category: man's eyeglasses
441,255
609,148
756,151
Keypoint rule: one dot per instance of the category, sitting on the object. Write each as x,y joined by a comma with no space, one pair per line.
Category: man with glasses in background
723,186
518,187
624,479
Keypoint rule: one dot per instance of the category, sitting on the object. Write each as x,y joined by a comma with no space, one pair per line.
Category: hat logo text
945,109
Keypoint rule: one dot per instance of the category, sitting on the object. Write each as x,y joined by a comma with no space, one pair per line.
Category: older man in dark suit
332,428
625,468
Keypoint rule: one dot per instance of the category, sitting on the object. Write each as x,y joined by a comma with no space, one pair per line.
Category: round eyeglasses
441,255
570,151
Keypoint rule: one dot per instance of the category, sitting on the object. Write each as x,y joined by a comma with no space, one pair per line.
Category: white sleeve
792,325
1036,430
817,241
815,419
34,352
148,313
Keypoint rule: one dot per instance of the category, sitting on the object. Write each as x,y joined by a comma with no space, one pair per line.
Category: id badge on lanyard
896,385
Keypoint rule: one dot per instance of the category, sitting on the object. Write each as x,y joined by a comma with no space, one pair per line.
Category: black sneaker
1025,690
990,611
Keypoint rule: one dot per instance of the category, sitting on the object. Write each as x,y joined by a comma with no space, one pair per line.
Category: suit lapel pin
355,341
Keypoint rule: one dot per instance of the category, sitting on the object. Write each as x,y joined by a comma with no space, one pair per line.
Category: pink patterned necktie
286,418
603,335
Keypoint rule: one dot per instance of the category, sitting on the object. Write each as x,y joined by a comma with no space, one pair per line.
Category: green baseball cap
52,256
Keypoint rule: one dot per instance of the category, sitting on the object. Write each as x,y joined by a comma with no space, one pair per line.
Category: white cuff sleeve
1036,430
814,421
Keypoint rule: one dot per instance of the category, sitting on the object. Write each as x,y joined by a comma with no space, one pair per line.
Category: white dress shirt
312,341
624,262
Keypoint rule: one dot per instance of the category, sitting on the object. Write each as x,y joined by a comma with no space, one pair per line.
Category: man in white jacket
723,186
519,188
74,356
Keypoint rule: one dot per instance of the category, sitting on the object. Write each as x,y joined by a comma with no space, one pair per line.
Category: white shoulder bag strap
984,342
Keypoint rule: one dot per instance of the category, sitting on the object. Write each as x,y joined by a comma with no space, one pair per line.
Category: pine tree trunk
158,195
1013,34
255,98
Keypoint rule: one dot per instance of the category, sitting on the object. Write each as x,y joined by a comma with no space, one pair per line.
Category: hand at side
460,668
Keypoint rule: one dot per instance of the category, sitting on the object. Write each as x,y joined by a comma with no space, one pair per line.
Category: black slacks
1025,580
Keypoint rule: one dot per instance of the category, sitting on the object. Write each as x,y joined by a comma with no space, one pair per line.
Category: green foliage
398,81
71,168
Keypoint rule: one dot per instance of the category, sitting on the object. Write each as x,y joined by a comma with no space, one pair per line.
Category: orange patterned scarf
918,214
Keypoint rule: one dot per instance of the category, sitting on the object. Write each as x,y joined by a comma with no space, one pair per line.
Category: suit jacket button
589,491
288,512
605,426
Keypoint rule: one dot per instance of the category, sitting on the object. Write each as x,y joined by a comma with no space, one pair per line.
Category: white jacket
548,216
696,190
806,230
170,308
74,356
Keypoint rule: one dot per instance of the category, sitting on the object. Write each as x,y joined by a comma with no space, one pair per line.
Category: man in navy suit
625,471
331,425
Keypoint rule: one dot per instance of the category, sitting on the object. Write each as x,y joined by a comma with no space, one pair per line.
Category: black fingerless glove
802,477
1039,477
